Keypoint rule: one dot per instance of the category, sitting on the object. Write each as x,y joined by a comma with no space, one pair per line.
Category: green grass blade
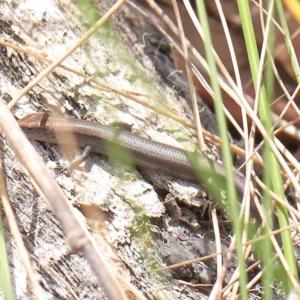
5,283
271,169
231,191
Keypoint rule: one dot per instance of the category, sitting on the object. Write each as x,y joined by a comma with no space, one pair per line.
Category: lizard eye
30,130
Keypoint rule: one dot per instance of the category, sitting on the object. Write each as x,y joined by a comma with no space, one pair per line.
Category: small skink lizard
145,153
